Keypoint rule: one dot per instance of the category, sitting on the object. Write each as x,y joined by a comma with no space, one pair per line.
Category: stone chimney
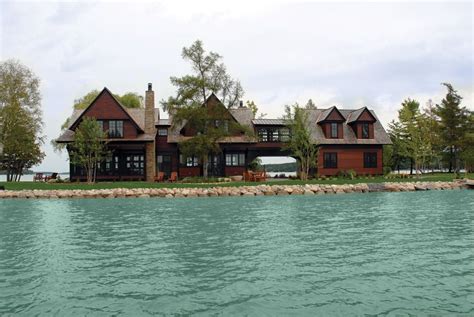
149,110
150,163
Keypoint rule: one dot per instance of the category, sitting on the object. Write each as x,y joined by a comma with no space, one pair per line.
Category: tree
413,133
253,106
467,145
452,125
310,105
20,119
89,147
209,76
209,122
432,133
131,100
300,144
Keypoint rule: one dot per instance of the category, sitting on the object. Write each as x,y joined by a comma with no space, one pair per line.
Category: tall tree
452,124
209,76
209,123
20,119
432,134
310,105
89,147
253,106
300,144
410,134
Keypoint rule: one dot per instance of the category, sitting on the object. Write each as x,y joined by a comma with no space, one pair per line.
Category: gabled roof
327,112
317,134
355,115
106,91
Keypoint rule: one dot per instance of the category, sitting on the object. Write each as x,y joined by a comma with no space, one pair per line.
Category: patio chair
249,176
173,177
260,176
160,177
52,176
38,177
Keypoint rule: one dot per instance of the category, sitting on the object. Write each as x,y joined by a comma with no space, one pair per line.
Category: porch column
150,166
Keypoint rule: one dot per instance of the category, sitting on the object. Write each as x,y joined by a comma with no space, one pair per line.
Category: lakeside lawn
334,181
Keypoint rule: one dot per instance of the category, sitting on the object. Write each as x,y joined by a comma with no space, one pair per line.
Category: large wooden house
141,143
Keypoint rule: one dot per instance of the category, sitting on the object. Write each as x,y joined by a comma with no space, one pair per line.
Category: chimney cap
149,86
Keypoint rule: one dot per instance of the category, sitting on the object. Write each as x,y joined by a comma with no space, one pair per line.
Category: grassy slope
379,179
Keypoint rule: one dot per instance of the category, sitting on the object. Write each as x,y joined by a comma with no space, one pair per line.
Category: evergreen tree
453,120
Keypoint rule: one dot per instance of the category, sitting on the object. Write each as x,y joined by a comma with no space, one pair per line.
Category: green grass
107,185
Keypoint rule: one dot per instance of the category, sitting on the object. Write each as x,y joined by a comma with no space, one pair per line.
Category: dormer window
334,129
365,130
116,128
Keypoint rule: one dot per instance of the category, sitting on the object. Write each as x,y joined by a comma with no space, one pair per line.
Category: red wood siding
327,130
234,170
350,158
366,116
335,116
358,127
106,108
189,171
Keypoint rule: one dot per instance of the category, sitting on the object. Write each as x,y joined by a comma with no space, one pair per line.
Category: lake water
353,254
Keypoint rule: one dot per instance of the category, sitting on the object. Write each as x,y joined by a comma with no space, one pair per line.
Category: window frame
114,127
370,159
188,161
235,159
362,135
330,160
332,125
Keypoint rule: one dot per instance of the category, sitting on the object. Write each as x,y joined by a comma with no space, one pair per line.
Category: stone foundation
258,190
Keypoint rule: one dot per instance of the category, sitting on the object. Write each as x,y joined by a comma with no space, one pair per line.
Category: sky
348,54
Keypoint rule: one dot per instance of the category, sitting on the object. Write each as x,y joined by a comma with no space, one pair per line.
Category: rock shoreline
258,190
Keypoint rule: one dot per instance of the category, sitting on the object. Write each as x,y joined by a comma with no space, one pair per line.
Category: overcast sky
349,54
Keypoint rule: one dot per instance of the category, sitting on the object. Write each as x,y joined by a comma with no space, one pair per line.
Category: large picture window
330,160
370,160
365,130
135,164
334,129
235,159
116,128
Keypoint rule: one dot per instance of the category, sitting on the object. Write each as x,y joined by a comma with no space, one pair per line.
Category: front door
214,168
164,164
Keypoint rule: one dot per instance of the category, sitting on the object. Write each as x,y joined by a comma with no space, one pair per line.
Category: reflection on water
383,253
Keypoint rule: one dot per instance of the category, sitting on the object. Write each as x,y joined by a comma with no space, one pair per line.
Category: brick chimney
150,160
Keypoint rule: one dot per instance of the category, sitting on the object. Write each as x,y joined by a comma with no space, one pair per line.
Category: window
116,128
162,132
101,124
365,130
284,134
330,160
273,135
370,160
262,135
190,161
135,164
235,159
334,129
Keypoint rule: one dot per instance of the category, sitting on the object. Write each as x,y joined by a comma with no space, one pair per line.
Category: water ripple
383,254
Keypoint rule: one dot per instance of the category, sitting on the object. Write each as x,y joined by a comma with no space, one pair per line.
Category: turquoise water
354,254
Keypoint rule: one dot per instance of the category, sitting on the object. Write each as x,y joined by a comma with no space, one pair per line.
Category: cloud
347,54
